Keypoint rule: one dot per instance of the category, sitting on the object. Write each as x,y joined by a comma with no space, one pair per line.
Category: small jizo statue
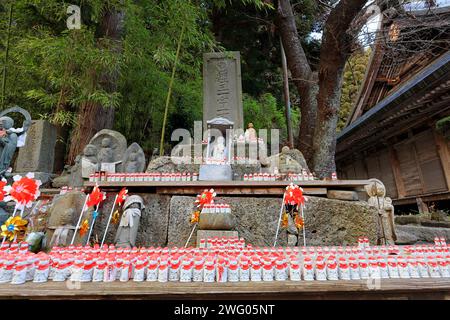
8,142
377,198
129,223
106,153
64,230
218,151
250,133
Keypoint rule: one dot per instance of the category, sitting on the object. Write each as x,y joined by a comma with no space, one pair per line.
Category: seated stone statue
250,133
287,163
8,143
377,198
60,236
63,216
218,151
132,164
89,161
134,159
106,156
129,223
106,153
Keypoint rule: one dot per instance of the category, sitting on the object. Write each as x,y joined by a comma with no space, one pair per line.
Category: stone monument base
208,234
215,172
216,221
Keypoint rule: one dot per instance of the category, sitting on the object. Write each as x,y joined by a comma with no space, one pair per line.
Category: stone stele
222,87
38,153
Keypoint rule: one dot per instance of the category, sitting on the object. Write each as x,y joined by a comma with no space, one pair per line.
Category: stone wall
328,222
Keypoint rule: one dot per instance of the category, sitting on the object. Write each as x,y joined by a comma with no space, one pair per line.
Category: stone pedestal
215,172
216,221
208,234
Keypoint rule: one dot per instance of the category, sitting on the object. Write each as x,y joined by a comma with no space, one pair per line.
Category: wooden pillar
444,155
423,207
395,164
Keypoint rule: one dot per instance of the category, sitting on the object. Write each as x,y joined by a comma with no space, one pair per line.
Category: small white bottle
255,271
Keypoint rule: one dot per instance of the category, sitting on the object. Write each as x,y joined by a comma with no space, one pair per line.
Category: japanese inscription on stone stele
222,89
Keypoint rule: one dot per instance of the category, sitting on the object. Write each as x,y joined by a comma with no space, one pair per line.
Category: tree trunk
93,117
335,50
301,74
308,108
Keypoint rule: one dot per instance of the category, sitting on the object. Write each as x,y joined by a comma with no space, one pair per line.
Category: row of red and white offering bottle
222,243
216,161
222,263
257,176
216,208
147,177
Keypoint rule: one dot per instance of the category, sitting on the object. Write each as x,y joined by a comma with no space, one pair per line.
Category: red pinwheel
23,191
206,197
294,195
95,197
123,194
2,191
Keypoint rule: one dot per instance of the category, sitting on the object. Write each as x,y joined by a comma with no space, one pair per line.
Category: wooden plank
426,197
145,289
237,191
401,192
422,206
250,184
444,155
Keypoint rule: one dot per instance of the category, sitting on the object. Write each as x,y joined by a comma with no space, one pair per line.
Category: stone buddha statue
89,161
8,143
63,228
132,164
218,151
287,163
250,134
106,153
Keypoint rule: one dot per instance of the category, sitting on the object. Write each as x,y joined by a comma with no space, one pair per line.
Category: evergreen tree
354,71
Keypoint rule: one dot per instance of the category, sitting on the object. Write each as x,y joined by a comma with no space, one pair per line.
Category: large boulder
424,234
165,164
328,222
404,238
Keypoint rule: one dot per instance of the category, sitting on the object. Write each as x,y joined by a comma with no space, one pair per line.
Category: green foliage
353,77
52,71
443,127
265,113
51,66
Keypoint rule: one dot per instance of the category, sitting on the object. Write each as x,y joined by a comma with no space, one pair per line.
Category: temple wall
328,222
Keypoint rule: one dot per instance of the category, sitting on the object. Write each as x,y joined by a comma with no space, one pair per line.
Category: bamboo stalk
287,100
8,37
169,92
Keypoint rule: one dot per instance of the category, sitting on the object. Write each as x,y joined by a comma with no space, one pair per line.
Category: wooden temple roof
402,88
